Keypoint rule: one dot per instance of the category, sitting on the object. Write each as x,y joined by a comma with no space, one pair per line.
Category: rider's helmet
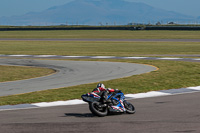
101,85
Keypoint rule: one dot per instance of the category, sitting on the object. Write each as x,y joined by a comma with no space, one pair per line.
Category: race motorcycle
118,104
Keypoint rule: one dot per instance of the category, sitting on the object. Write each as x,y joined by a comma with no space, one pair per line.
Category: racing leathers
103,92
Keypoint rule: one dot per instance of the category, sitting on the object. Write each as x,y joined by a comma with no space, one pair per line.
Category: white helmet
101,85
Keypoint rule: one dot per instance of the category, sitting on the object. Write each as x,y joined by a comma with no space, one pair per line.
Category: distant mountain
96,12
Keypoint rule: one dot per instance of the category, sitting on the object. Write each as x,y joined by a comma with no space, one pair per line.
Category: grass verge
12,73
111,34
87,48
171,74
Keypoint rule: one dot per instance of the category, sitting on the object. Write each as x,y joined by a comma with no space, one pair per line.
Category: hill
96,12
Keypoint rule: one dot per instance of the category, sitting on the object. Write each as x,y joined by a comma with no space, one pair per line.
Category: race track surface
69,73
169,114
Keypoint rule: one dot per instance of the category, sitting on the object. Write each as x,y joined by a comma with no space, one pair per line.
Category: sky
20,7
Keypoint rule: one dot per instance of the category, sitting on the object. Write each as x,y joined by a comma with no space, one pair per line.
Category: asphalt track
69,73
167,114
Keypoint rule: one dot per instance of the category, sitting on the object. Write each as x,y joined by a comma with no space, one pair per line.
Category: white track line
16,55
98,57
45,55
135,57
169,58
77,101
105,57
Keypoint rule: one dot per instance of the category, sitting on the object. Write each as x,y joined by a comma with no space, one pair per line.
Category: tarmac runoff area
80,72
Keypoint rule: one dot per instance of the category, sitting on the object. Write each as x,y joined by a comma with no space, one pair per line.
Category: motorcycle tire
96,110
130,109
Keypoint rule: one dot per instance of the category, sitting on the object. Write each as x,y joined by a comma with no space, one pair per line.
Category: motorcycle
118,104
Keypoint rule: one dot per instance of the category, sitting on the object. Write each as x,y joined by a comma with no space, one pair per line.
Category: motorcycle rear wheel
97,110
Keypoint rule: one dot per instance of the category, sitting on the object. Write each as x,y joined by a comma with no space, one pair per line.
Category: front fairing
117,101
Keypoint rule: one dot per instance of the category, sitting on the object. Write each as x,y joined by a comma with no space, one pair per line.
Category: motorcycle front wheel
97,109
130,109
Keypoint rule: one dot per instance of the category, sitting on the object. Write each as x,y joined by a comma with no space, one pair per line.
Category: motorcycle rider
103,92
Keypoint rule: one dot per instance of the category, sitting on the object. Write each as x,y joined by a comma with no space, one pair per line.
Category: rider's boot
106,101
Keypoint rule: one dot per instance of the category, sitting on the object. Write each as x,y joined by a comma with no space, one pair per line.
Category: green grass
12,73
171,74
98,48
113,34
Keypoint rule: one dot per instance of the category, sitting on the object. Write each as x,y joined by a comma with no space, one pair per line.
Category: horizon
24,6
